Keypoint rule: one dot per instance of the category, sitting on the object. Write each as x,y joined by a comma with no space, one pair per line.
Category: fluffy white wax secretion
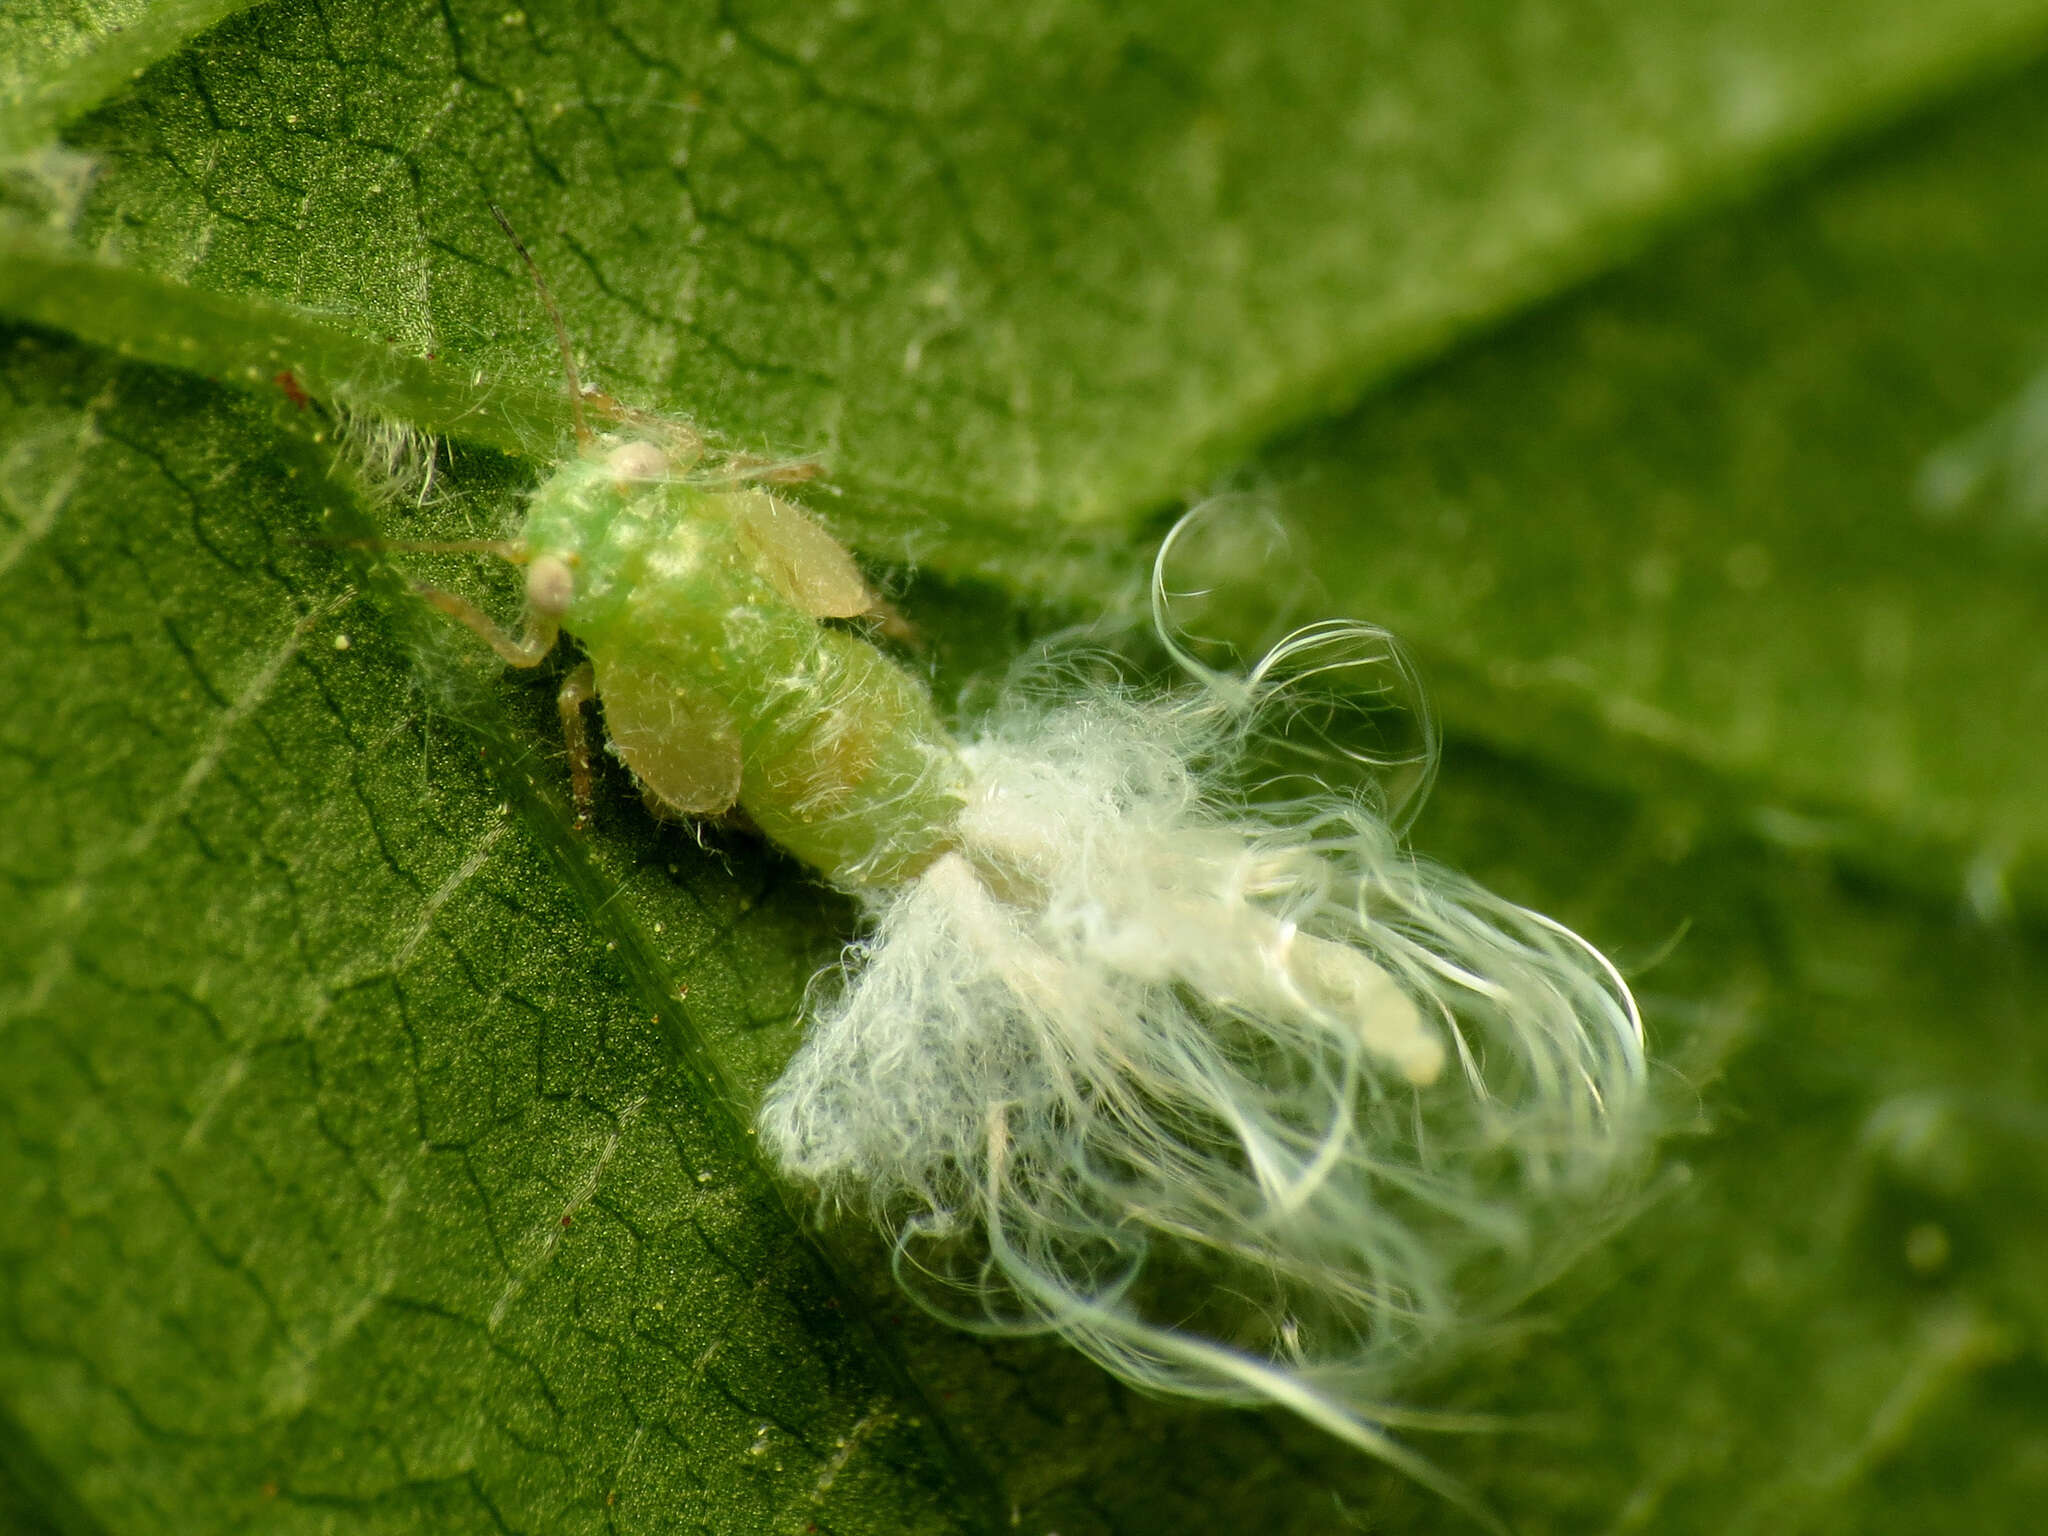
1242,1099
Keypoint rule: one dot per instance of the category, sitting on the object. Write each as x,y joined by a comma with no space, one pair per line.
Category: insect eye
631,462
550,585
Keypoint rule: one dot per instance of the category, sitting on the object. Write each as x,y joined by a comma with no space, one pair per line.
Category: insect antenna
547,297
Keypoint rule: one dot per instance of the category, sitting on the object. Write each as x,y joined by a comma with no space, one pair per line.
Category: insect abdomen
843,761
848,767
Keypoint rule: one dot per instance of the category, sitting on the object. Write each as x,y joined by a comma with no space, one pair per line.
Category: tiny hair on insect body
1185,1060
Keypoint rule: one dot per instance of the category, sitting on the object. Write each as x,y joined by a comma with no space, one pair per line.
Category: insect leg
578,689
528,650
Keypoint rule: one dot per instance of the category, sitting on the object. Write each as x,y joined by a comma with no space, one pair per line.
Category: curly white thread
1238,1097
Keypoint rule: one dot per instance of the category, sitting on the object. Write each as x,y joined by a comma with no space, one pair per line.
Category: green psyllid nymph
697,595
1233,1093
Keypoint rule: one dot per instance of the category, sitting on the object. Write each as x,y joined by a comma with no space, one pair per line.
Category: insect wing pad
686,751
797,557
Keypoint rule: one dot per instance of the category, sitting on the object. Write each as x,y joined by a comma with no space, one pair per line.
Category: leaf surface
1000,269
375,1149
354,1171
1766,516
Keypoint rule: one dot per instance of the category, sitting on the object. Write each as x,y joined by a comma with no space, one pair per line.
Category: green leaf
997,269
374,1149
352,1166
57,60
1801,461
